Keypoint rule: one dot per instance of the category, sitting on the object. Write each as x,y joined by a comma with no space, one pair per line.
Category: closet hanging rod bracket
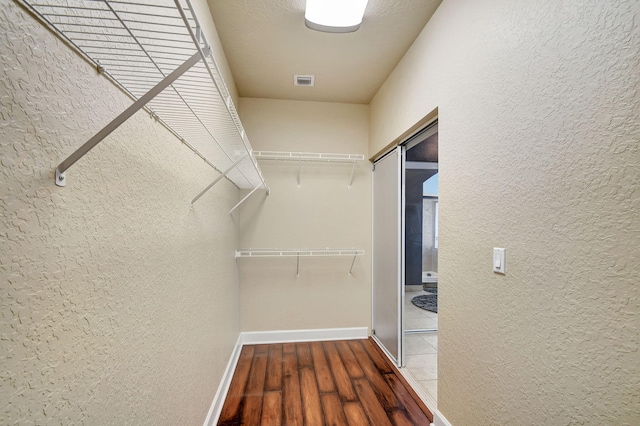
60,179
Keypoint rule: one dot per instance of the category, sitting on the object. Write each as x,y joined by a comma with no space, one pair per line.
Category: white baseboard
223,388
278,336
439,419
284,336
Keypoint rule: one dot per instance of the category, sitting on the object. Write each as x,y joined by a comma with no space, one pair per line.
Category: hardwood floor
346,382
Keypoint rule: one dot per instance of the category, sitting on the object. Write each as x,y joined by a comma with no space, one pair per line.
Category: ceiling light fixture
334,16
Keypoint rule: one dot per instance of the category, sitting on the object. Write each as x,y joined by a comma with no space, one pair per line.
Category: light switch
498,260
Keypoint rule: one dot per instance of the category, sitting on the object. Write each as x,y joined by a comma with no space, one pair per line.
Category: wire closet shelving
268,252
156,51
323,157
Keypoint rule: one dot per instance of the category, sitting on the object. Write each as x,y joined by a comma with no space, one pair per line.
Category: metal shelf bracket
124,116
223,174
247,196
157,53
353,169
60,178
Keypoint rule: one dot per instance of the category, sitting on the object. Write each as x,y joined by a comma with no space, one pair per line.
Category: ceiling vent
304,80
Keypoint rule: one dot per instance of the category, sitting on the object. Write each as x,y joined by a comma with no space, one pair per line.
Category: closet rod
124,116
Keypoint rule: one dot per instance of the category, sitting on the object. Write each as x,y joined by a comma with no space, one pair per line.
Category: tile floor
421,350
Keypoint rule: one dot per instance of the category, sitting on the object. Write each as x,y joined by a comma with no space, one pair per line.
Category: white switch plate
498,260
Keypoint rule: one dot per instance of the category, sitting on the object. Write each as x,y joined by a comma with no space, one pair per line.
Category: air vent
303,80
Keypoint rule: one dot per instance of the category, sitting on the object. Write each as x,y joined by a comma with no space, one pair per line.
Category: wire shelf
297,252
308,156
138,44
325,157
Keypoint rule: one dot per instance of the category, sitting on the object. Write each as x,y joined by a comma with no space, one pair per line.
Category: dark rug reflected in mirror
428,302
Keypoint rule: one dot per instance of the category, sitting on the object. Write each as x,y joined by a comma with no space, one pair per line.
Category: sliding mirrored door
387,253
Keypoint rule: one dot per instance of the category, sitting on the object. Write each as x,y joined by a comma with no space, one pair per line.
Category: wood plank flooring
345,382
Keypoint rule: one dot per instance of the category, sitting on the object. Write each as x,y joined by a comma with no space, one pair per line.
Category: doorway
420,317
405,265
421,208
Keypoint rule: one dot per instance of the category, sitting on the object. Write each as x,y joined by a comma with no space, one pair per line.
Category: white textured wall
118,304
538,106
323,212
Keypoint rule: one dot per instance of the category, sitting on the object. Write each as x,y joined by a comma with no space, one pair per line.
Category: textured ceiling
267,42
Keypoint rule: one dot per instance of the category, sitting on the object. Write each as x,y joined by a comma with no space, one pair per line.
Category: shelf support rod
353,262
353,169
124,116
299,167
233,166
298,266
247,196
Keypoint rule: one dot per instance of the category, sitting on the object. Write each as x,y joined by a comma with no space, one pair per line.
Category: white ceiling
266,42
